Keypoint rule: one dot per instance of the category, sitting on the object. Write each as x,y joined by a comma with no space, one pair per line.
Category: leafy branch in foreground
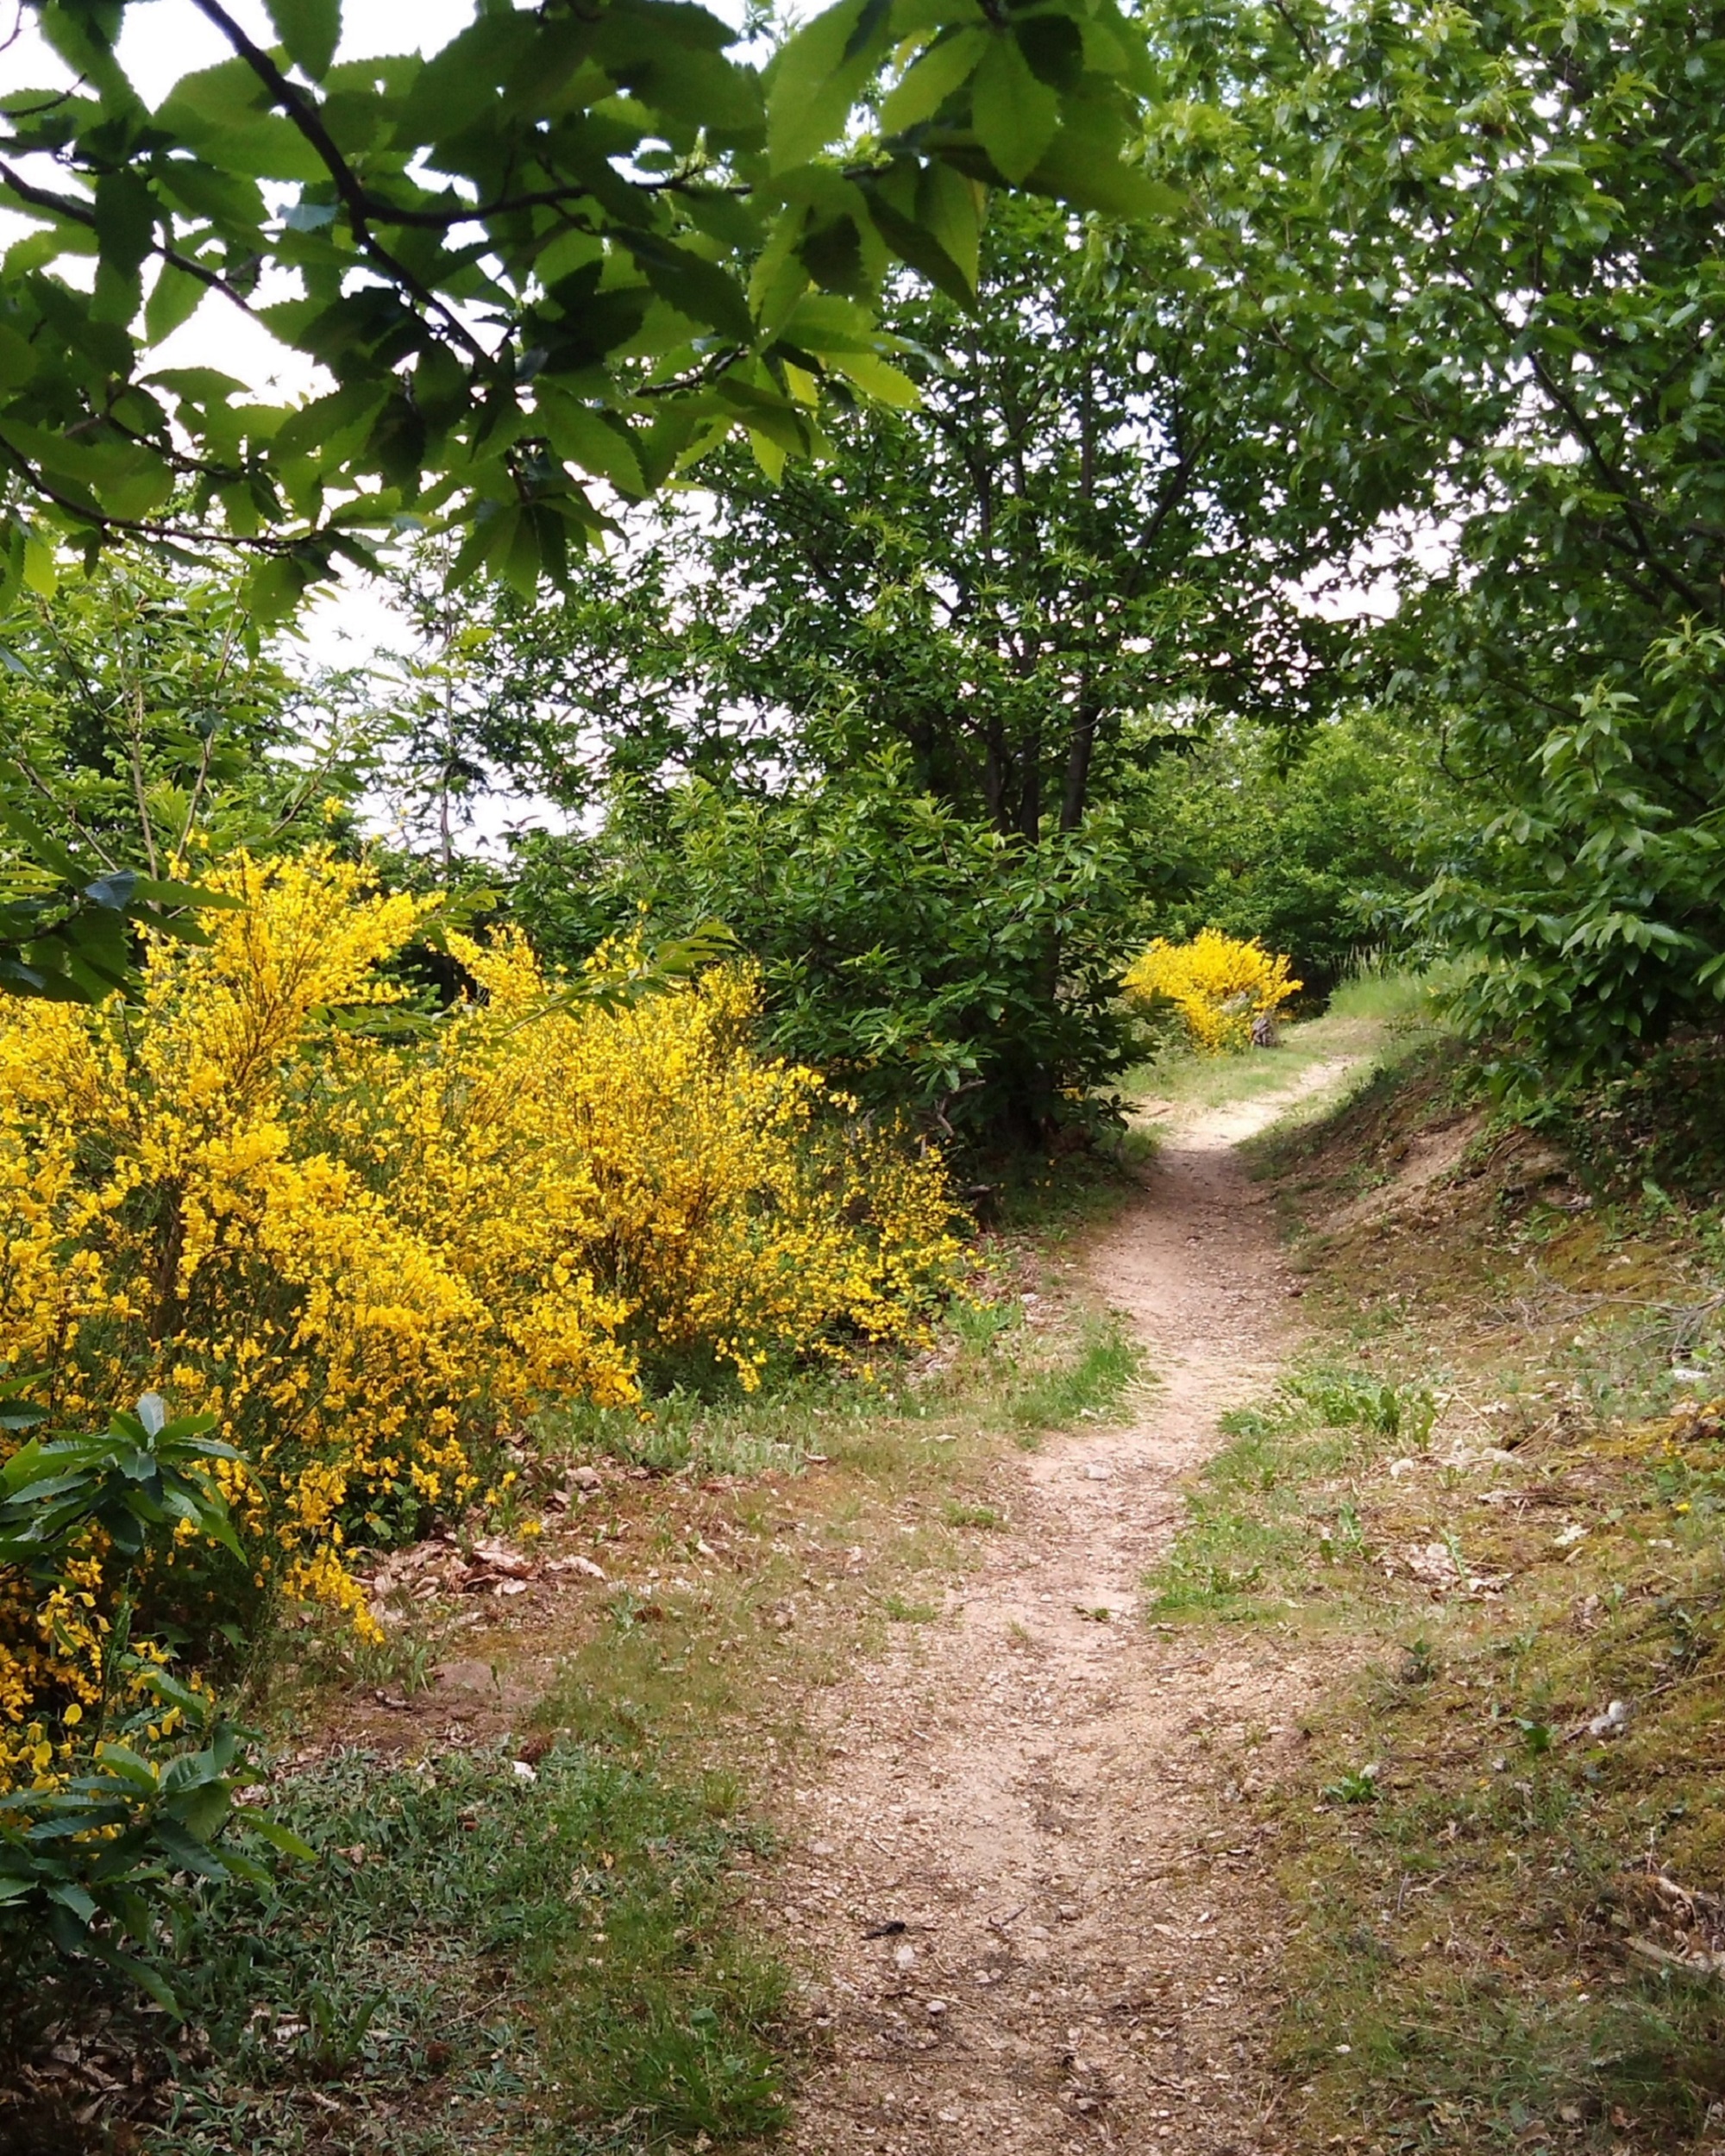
67,922
98,1823
574,245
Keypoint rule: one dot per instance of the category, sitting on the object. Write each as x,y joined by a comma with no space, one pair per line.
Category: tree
1318,853
1483,243
1054,532
972,604
575,244
152,721
146,726
903,946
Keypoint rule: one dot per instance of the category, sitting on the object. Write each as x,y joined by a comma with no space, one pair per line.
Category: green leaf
41,573
166,890
272,1832
462,81
174,299
227,96
589,439
18,360
914,243
1078,167
354,405
693,285
71,1896
273,589
185,1851
311,30
876,378
1014,115
952,209
931,80
815,80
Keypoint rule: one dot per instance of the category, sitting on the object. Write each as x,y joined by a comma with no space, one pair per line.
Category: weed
960,1513
400,1663
1421,1665
1093,1384
1345,1399
558,1947
1282,1488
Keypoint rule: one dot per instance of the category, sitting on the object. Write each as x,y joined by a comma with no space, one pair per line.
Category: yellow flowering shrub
1218,985
364,1240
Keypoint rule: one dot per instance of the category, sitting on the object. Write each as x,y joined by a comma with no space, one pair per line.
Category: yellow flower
1218,985
367,1253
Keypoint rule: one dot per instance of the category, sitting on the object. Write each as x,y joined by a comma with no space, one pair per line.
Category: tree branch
304,115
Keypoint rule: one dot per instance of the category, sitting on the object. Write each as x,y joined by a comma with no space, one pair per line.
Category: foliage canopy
573,246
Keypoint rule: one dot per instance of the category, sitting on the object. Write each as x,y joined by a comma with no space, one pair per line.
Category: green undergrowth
1053,1197
993,1369
481,1958
1274,1522
1093,1383
1653,1133
1498,1497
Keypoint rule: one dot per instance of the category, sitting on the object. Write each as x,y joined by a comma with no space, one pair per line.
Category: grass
1372,1015
480,1959
1491,1501
1091,1385
1053,1198
1275,1522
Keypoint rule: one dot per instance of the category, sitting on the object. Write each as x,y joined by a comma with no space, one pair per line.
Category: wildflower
367,1253
1220,987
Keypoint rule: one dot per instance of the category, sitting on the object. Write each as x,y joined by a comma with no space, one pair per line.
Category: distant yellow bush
364,1240
1218,985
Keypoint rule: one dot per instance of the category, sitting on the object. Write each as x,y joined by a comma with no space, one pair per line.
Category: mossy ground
1499,1487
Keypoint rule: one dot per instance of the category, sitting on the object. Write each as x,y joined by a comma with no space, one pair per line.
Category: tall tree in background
1056,525
1479,249
926,665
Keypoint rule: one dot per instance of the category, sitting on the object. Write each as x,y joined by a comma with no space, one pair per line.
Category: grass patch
1504,1900
960,1514
1054,1198
721,1430
1275,1521
1092,1384
480,1960
1377,1015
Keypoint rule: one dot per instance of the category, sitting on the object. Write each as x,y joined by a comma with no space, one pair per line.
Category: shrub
1219,987
1315,843
933,965
362,1239
100,1820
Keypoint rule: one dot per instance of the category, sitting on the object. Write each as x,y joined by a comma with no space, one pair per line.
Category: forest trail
1032,1801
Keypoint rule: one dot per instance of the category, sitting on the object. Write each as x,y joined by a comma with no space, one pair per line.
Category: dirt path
1038,1793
